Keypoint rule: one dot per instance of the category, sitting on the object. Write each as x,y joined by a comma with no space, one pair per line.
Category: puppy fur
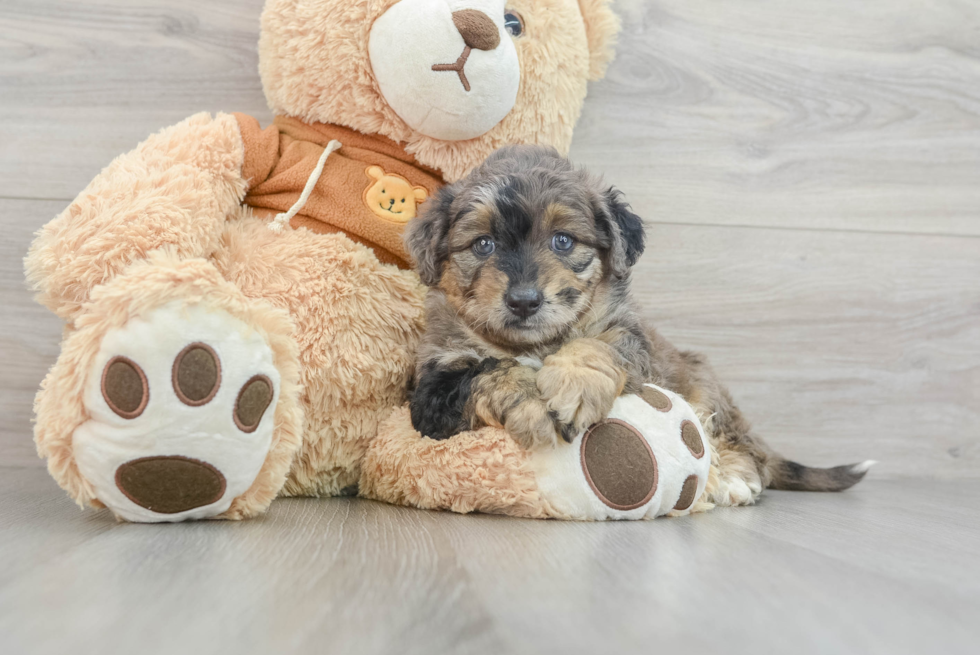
532,327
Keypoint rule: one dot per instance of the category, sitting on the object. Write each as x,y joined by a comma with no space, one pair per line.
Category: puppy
532,327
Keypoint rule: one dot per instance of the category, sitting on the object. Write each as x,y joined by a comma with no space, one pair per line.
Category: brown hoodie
369,189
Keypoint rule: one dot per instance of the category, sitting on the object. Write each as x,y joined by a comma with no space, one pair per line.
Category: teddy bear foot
180,404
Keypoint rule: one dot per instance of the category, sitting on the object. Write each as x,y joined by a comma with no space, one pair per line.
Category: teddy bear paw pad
180,423
645,459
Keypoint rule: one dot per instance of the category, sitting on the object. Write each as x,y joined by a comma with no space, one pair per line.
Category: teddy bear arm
174,191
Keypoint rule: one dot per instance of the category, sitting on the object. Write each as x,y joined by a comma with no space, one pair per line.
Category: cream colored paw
180,404
734,491
532,425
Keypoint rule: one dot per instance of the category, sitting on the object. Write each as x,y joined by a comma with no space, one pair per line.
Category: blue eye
513,23
484,246
562,242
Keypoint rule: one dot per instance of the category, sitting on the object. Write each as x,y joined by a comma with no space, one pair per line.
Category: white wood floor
810,170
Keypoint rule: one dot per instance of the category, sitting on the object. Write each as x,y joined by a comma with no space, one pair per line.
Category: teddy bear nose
477,29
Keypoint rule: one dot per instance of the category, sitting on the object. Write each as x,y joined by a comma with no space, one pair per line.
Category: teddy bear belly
319,227
357,324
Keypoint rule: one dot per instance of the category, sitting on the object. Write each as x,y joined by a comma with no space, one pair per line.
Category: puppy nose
477,29
524,301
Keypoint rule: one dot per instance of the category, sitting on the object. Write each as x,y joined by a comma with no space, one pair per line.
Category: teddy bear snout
450,73
477,29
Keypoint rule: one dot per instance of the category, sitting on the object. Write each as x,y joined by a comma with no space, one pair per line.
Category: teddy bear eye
513,23
484,246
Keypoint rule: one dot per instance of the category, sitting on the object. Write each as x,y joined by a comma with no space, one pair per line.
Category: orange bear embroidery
391,196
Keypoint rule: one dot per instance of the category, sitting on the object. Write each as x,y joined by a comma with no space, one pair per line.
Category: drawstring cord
279,223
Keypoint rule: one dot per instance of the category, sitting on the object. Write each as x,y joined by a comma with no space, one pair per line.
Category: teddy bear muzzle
450,72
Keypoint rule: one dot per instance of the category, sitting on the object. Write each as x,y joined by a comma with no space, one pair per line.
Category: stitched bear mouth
457,67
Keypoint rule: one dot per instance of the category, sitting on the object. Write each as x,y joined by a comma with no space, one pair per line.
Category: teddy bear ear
601,28
421,193
375,172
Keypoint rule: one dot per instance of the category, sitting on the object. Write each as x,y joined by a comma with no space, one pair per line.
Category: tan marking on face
561,218
474,288
473,224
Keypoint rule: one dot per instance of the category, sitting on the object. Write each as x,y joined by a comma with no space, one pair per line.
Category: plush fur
166,222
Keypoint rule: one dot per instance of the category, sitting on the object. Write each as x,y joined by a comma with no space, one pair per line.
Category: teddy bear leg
356,323
174,398
481,471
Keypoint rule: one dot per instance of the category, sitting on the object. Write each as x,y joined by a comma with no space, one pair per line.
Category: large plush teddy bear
215,357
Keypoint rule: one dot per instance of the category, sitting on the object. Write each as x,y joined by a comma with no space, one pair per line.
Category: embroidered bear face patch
391,196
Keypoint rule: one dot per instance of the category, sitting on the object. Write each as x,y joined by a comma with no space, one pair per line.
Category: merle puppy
531,325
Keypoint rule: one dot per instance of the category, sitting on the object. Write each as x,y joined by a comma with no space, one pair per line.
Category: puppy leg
737,470
581,381
738,459
508,397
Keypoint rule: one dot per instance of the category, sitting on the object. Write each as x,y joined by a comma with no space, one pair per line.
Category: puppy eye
484,246
513,23
562,242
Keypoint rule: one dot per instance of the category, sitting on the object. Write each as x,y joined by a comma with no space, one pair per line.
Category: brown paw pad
124,387
196,374
688,492
692,439
253,400
656,399
169,485
619,465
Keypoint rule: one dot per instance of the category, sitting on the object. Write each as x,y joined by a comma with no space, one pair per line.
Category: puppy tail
790,476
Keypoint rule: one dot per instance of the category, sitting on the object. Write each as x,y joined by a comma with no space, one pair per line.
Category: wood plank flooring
810,172
889,567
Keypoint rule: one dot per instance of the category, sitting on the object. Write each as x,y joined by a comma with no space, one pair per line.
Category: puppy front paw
507,396
533,425
581,382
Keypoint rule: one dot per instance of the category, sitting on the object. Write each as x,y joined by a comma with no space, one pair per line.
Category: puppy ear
425,236
623,228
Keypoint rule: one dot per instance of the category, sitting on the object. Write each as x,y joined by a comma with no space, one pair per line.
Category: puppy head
523,245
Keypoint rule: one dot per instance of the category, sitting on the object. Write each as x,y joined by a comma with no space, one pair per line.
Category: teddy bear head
452,80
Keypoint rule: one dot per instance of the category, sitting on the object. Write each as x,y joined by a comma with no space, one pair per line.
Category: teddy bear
241,317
